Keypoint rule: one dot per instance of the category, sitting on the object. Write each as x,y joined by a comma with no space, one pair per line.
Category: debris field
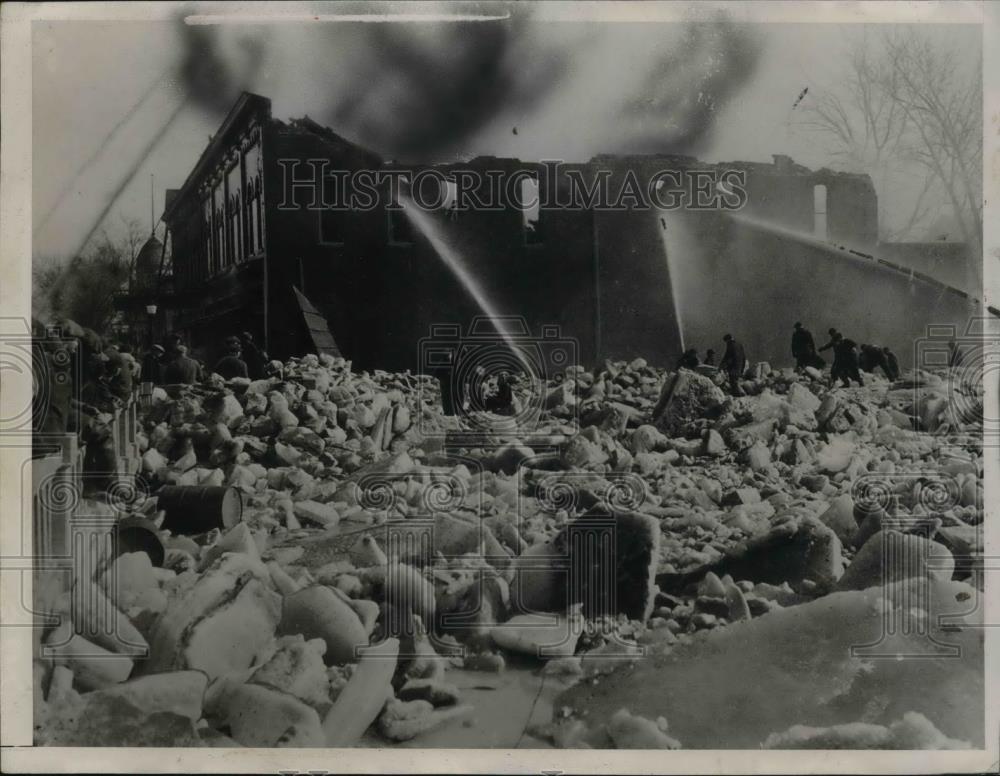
324,559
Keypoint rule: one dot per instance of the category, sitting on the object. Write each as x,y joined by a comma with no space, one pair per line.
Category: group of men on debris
848,362
733,364
848,359
87,378
170,364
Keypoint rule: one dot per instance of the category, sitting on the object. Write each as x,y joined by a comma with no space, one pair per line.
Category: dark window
208,252
201,254
248,225
237,228
258,217
234,231
219,226
252,243
219,220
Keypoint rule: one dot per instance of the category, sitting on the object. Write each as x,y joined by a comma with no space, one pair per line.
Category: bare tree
129,242
867,130
84,288
942,100
910,109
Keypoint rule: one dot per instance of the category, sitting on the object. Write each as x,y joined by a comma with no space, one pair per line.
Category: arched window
208,249
254,219
248,219
220,237
237,218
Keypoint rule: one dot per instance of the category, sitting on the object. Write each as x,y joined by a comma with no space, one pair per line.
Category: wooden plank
317,326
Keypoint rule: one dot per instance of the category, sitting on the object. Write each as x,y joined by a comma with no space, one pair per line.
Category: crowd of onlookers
171,364
82,379
90,374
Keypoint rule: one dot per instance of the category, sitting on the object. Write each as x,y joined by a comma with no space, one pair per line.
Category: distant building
148,263
601,275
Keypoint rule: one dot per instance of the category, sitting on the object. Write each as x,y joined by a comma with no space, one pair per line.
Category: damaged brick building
621,282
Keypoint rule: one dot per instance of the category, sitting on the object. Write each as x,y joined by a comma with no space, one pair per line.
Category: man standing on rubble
846,351
835,368
152,365
733,364
891,363
231,365
873,357
173,343
688,359
253,355
804,349
502,402
845,359
182,369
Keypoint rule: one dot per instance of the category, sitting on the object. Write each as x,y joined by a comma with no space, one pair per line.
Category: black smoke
214,69
417,90
675,110
422,92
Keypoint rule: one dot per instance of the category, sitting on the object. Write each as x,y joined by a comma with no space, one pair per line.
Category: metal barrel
197,509
138,534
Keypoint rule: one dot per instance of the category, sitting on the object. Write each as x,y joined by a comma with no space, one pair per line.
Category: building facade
621,279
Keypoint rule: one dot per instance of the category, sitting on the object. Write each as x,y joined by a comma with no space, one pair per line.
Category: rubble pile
318,550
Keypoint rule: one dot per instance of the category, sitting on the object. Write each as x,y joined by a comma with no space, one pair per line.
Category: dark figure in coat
845,359
173,343
891,363
152,366
804,349
872,358
733,363
688,359
232,364
255,358
182,369
502,402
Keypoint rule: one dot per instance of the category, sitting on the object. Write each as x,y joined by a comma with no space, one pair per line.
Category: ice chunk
734,687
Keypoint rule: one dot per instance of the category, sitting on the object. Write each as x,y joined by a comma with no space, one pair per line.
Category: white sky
87,75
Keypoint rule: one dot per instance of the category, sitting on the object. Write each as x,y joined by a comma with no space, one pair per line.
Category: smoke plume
407,90
680,99
434,90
